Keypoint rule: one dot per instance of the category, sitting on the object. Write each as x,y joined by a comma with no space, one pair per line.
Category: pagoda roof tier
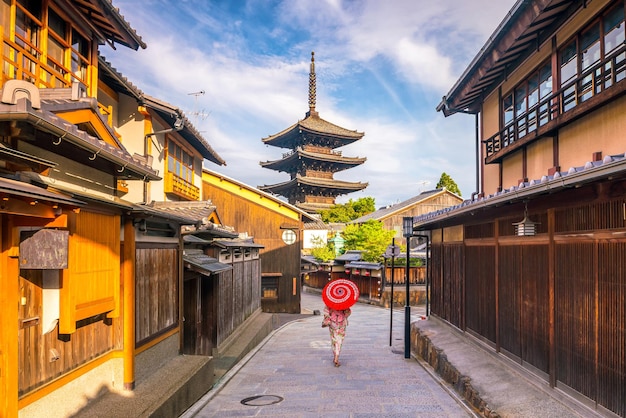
313,129
333,161
314,207
330,186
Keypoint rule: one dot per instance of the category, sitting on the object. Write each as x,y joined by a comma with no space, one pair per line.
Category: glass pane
507,105
568,63
520,101
33,7
613,29
80,44
590,47
56,24
545,81
533,91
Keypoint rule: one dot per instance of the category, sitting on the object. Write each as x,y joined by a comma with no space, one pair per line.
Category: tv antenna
198,114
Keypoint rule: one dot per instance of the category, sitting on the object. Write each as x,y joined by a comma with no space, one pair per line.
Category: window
527,104
613,26
62,56
582,73
179,161
57,42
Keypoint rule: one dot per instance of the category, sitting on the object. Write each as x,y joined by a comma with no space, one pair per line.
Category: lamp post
407,229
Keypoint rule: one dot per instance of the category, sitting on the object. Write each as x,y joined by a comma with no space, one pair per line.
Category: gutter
572,178
65,135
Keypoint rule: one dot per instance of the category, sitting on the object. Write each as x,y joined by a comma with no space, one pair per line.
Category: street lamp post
407,229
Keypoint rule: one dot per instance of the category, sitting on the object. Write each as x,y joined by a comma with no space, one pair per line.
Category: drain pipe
448,111
179,124
476,158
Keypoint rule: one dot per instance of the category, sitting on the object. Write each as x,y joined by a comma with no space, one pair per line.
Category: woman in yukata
336,321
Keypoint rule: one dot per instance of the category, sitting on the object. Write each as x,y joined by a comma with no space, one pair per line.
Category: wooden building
84,156
534,265
312,162
272,223
63,168
425,202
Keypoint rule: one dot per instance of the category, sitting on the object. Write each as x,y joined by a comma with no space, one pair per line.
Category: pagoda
312,160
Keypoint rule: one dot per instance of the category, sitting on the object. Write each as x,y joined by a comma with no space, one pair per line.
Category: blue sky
382,67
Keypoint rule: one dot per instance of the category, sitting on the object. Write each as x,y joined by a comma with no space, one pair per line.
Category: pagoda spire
312,87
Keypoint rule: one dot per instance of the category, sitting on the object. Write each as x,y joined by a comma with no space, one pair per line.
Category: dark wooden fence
554,302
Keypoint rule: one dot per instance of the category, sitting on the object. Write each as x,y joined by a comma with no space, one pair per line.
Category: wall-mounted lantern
526,227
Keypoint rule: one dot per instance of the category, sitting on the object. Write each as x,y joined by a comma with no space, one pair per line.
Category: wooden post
9,297
128,270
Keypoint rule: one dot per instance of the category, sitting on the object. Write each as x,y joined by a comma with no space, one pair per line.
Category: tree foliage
369,237
353,209
446,181
321,251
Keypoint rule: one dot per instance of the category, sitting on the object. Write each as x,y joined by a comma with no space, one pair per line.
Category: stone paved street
291,374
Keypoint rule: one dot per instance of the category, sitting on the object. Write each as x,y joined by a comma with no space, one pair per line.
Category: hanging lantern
526,227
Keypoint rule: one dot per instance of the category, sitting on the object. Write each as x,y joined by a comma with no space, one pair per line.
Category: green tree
322,252
344,213
446,181
369,237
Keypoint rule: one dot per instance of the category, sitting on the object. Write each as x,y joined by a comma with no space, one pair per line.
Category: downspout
448,111
179,124
476,159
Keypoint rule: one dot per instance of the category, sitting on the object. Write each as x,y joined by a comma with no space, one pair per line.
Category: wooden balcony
24,63
181,188
595,88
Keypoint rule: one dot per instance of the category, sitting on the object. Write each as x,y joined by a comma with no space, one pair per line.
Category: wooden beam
128,318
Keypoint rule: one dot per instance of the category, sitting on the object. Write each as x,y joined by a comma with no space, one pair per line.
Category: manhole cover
261,400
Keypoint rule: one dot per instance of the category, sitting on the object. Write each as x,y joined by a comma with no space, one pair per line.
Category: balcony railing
24,62
180,187
554,110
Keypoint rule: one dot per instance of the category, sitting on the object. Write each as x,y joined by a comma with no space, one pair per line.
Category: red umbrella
340,294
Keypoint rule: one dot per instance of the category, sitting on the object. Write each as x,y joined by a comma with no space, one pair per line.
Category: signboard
392,251
44,249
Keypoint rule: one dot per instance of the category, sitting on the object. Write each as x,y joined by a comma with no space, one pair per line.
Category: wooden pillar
9,296
128,271
551,300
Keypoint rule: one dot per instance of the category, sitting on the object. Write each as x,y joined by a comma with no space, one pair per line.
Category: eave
315,126
337,186
336,162
524,29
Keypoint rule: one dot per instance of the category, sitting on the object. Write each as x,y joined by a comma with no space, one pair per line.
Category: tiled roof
335,159
196,260
317,182
398,207
262,194
190,210
350,255
313,123
189,132
610,165
236,243
46,120
363,265
110,23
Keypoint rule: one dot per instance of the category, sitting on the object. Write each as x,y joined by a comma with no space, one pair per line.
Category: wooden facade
553,302
268,220
220,299
94,277
552,299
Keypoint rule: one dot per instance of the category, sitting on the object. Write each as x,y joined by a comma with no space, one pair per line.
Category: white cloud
255,75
